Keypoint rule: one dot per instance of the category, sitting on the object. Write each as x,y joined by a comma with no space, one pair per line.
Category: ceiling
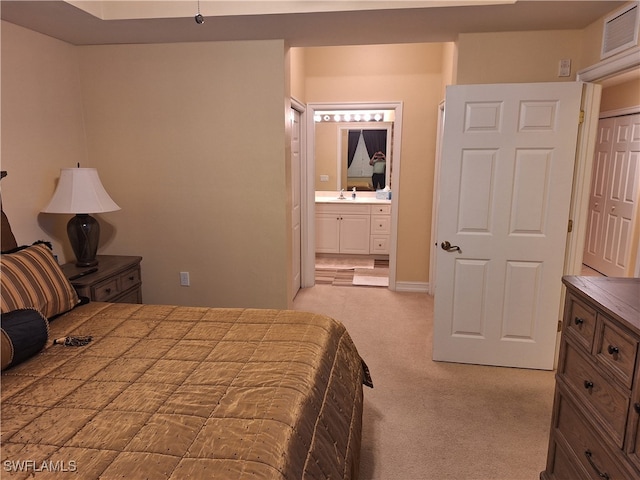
357,22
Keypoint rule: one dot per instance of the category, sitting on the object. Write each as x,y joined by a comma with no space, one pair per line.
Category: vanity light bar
354,116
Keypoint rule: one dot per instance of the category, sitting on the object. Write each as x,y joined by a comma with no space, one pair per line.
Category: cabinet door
327,233
354,234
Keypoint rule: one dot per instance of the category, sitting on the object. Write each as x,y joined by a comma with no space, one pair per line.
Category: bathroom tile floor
364,277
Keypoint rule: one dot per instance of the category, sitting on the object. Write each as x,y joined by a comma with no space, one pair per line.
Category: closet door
614,196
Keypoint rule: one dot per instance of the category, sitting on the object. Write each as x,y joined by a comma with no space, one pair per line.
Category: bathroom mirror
343,148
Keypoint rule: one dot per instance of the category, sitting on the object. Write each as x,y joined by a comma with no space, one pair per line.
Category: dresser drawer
587,448
581,322
600,396
565,466
616,350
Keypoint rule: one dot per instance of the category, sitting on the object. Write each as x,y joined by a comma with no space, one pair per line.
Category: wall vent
620,30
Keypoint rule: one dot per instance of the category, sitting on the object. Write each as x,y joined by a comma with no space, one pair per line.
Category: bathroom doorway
313,109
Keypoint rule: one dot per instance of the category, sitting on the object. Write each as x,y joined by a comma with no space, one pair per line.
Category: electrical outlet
184,279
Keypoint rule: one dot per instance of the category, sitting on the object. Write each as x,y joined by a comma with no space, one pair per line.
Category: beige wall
390,73
621,96
189,140
42,129
517,57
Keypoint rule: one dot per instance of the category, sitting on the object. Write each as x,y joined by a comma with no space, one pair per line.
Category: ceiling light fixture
199,18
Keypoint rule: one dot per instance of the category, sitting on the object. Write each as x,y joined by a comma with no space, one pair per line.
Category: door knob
450,248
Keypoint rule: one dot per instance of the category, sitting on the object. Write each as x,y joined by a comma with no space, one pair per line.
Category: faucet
341,197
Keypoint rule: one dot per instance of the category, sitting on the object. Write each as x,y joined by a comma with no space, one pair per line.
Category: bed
100,390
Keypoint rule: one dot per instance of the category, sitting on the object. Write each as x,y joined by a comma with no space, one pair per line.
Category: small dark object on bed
73,341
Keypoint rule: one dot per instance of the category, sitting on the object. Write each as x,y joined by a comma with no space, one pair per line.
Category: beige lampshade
79,190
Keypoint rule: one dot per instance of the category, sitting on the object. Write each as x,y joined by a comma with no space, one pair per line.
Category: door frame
579,212
299,107
308,190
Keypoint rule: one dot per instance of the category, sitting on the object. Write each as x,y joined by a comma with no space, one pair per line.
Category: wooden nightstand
117,279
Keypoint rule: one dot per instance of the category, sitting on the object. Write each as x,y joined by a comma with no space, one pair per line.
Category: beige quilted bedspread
186,393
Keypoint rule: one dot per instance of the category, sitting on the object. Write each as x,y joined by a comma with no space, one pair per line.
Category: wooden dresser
595,428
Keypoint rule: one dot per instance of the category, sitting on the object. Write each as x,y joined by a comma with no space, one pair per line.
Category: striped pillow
31,278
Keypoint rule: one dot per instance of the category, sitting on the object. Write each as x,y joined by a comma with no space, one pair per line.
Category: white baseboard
419,287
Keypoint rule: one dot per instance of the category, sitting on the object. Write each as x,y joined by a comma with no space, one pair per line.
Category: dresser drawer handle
132,278
636,407
108,290
588,385
578,321
613,350
588,454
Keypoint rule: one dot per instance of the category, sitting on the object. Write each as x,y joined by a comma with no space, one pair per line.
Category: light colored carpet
427,420
346,263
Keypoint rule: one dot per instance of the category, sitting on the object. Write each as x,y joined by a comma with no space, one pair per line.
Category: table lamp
80,192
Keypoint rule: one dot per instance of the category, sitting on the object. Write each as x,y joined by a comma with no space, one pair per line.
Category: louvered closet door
614,196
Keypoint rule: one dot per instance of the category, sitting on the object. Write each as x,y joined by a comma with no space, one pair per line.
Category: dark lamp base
84,234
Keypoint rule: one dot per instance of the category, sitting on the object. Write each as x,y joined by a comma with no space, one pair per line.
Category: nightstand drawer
104,291
129,279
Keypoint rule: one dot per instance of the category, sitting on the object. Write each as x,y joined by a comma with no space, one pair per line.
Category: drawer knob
131,278
588,454
578,321
613,350
588,385
108,290
636,407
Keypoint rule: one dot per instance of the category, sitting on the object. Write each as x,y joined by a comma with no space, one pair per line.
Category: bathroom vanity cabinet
343,228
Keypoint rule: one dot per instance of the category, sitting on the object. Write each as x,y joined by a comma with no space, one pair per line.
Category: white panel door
505,183
296,209
614,196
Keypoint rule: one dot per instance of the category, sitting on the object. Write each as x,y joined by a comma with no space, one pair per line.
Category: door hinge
559,325
570,227
581,117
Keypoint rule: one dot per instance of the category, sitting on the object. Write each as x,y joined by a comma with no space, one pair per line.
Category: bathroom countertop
361,198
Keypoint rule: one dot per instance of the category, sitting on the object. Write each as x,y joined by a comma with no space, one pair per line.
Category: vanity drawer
379,244
616,350
585,445
581,322
380,224
608,403
381,209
